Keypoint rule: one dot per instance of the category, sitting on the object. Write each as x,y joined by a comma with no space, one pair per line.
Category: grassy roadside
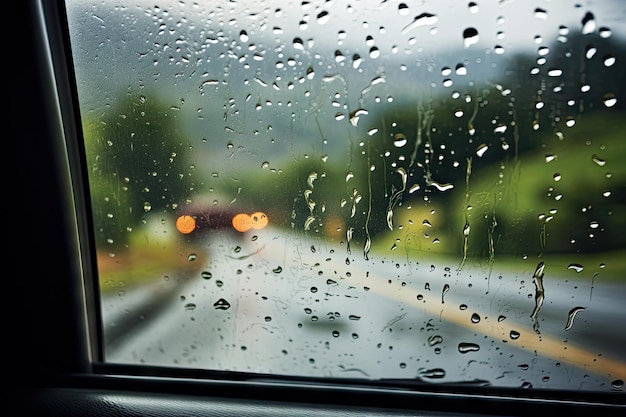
141,264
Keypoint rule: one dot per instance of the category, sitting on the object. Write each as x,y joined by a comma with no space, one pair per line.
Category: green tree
138,163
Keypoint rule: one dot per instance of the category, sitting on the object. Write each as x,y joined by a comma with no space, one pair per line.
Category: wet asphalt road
290,305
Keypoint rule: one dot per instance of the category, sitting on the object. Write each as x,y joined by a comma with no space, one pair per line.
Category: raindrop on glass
399,140
432,373
475,318
403,9
605,32
221,304
322,17
609,100
434,340
608,60
470,37
466,347
571,315
598,161
541,13
589,23
555,72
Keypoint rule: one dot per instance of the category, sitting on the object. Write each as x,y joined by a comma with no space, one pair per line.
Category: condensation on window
429,191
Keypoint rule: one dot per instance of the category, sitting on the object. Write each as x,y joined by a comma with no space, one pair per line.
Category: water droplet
598,161
434,340
500,129
608,60
541,13
190,306
539,294
609,100
414,188
570,316
335,333
399,140
473,7
298,43
501,318
514,335
481,150
424,19
555,72
470,37
354,317
243,36
403,9
277,270
206,275
441,187
322,17
576,267
354,116
589,23
556,177
618,384
446,288
466,229
221,304
435,373
475,318
550,158
605,32
192,257
465,347
339,57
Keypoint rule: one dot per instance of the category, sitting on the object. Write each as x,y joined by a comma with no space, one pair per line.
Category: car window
425,191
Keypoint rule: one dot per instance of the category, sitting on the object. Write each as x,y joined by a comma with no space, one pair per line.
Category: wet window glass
429,191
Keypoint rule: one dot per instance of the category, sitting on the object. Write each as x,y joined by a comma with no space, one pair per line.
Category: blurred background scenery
312,156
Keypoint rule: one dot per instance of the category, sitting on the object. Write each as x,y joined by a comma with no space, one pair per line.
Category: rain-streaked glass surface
432,191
